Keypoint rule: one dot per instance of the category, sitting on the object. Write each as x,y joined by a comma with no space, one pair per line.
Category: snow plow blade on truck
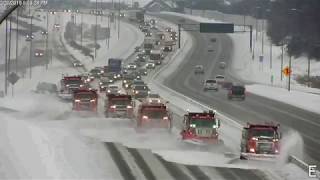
260,141
201,127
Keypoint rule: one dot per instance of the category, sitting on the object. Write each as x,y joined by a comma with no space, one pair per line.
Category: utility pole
119,21
95,32
6,62
108,40
17,40
179,33
270,54
30,52
47,34
262,37
9,53
81,35
289,84
281,66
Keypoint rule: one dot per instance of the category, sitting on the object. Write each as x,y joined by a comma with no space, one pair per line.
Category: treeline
293,23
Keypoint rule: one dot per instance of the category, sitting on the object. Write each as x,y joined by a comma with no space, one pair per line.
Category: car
29,37
44,33
167,49
137,49
141,58
38,53
210,84
148,34
150,65
153,98
237,91
198,69
220,79
154,27
132,66
122,15
103,86
143,71
168,29
140,91
213,40
77,63
106,79
145,29
222,65
112,89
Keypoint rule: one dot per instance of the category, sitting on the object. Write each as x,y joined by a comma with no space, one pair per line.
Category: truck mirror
218,123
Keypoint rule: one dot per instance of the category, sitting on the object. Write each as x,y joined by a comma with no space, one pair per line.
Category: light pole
30,50
17,39
95,32
119,22
47,34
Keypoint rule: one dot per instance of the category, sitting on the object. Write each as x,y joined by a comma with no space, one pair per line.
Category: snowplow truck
201,127
154,115
85,100
260,141
68,84
120,105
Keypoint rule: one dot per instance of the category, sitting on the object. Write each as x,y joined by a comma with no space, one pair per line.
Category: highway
254,108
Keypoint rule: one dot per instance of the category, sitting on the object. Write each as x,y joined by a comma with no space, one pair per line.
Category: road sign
286,71
216,28
13,78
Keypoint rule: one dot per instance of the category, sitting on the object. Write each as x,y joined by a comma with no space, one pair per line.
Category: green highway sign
216,28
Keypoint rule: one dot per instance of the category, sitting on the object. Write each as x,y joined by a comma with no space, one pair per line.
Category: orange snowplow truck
85,100
154,115
260,141
119,105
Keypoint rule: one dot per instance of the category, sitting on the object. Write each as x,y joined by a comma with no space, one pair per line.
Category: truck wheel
242,157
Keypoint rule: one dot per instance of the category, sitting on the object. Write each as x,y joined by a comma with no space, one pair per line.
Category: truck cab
200,126
85,100
260,141
120,105
154,115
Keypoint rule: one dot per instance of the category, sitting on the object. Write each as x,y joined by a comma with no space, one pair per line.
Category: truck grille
204,132
264,147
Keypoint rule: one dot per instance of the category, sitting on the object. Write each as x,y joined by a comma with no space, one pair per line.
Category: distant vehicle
210,84
29,38
154,115
95,73
137,49
127,80
150,65
154,98
57,27
38,53
143,71
201,127
210,48
219,79
77,63
148,34
140,91
44,87
120,105
167,48
237,91
260,141
44,33
213,40
198,69
122,15
156,56
140,16
84,99
153,21
154,27
141,58
68,84
113,89
132,66
115,65
145,29
103,86
222,65
168,29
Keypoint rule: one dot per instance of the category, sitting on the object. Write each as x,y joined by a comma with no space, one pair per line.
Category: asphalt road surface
254,108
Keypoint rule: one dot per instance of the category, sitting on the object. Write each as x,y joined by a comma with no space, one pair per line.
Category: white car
199,69
153,98
220,79
113,89
77,63
210,84
132,66
150,65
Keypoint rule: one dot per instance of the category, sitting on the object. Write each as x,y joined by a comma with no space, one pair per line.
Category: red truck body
85,100
120,105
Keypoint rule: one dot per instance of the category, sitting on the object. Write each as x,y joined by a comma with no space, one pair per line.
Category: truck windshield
203,122
84,96
263,132
69,81
155,56
154,114
121,101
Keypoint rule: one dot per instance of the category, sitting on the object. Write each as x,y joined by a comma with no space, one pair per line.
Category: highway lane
254,108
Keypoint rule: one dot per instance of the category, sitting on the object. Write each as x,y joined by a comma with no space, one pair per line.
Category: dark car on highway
237,91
